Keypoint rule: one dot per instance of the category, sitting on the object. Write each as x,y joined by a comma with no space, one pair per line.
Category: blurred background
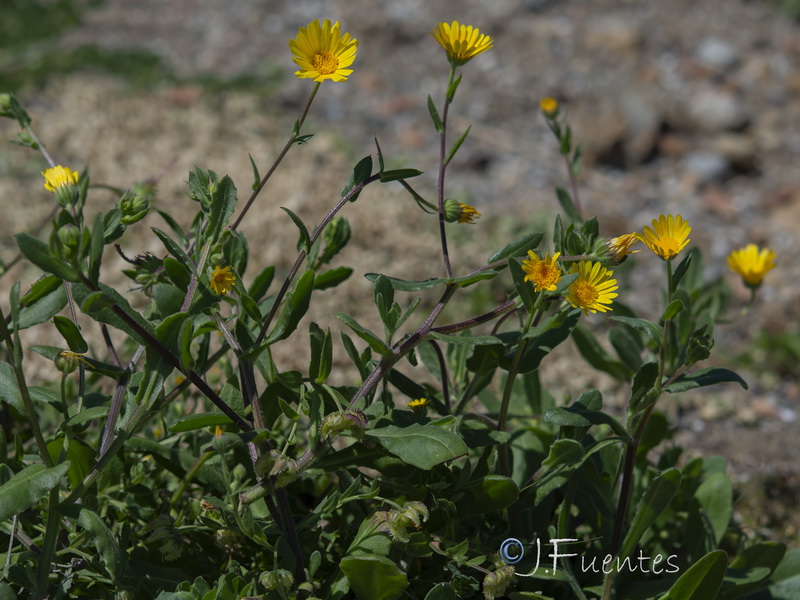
690,107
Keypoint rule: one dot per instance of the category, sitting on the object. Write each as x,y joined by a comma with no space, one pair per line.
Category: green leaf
43,287
332,277
114,559
378,150
223,203
489,494
519,247
703,579
652,330
27,487
574,416
9,387
681,270
185,337
383,295
294,308
261,283
96,248
375,342
304,242
672,310
628,347
256,175
38,253
656,499
423,446
87,415
715,497
456,146
469,340
441,591
398,174
71,334
437,120
199,421
596,355
374,577
524,288
321,353
178,274
80,459
704,378
568,205
174,249
361,171
402,285
44,307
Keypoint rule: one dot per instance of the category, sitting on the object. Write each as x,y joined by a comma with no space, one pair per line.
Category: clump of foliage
183,463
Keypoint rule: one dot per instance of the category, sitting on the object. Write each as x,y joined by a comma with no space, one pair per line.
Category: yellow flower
461,42
418,403
752,263
667,237
455,211
222,280
620,247
543,272
549,107
218,431
59,176
593,288
322,52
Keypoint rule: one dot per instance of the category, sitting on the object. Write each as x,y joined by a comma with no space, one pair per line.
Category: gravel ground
686,106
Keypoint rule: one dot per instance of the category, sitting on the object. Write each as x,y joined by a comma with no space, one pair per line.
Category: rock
706,165
740,150
717,109
613,34
716,54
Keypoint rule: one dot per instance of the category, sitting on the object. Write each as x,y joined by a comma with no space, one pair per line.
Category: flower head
543,272
458,212
593,288
222,280
549,107
620,247
752,263
668,236
461,42
322,52
59,176
418,403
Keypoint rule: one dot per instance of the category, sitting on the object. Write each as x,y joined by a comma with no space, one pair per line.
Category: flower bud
5,106
134,207
67,361
549,107
69,236
458,212
495,583
280,579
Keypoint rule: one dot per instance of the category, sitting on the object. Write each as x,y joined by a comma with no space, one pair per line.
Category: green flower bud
67,361
134,207
5,106
276,580
69,236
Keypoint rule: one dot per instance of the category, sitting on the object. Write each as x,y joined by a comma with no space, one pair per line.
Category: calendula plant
184,463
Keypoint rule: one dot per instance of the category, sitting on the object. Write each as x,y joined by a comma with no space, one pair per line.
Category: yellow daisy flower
549,107
593,288
418,403
461,42
543,272
620,247
668,236
58,176
322,52
752,263
222,280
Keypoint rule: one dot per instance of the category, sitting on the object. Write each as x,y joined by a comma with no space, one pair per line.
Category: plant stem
442,168
48,545
292,140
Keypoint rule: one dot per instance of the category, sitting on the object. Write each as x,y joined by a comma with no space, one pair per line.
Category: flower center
670,246
546,275
586,293
325,62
